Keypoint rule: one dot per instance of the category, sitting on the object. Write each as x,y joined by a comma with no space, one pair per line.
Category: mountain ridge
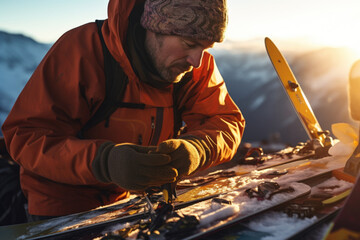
249,76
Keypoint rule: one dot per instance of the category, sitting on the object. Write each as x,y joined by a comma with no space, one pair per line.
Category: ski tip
272,48
269,44
268,41
355,70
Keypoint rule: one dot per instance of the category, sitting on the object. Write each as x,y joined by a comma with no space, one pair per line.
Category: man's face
173,56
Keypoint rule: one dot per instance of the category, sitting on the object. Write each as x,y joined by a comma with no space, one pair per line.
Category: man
157,44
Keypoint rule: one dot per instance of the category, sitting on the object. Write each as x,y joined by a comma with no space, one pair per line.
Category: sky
329,22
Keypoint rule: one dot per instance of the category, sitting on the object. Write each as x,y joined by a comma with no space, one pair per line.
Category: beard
175,72
172,73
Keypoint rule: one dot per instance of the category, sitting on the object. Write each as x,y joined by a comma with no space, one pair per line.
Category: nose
195,57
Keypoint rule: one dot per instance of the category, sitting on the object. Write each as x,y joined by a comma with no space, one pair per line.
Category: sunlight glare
349,41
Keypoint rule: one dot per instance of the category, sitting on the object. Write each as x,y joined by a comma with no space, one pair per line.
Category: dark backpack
115,86
12,200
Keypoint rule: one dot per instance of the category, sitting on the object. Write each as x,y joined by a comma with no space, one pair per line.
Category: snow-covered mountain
19,56
249,75
254,86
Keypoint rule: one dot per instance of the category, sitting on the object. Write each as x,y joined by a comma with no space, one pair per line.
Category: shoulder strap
115,85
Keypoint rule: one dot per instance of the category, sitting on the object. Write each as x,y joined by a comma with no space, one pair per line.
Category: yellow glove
187,155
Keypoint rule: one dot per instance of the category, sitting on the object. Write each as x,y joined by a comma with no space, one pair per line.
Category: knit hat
199,19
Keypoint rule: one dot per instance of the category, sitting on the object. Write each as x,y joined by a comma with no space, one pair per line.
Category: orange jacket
66,89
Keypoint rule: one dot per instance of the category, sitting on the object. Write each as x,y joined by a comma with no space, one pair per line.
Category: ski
209,230
70,226
129,209
310,169
324,208
175,228
316,171
296,94
74,226
321,204
132,210
96,230
69,223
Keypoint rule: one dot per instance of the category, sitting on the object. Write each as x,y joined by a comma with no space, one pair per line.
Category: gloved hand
187,155
132,167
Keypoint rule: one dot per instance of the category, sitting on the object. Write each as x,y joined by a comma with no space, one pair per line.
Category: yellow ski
295,93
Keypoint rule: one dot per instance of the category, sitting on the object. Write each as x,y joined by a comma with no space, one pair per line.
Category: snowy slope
249,75
254,86
19,56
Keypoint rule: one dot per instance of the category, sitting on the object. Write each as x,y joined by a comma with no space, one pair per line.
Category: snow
19,57
279,225
251,205
257,102
219,214
332,186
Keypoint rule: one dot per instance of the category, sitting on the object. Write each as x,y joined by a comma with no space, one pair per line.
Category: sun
349,41
356,49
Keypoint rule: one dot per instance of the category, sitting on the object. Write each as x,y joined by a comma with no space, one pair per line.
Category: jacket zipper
156,126
152,125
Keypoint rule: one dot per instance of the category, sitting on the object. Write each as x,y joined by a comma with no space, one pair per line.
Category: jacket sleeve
210,113
65,89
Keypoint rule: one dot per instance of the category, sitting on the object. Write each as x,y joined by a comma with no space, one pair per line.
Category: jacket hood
115,28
